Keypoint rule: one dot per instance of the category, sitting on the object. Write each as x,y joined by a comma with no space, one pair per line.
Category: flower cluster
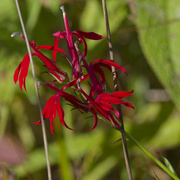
97,101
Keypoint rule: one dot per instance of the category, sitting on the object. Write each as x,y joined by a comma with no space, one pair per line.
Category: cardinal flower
53,106
102,105
22,70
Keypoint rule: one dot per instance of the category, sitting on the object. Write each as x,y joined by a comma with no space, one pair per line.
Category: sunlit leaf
158,29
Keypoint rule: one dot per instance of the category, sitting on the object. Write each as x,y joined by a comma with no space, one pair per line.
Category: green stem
159,163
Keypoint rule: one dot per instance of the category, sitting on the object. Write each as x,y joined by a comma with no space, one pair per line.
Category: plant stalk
122,131
37,92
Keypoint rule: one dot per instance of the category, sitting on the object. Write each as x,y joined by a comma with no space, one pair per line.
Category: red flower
102,105
52,107
22,70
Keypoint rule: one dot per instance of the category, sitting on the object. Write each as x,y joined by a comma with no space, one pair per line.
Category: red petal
53,48
61,115
110,99
16,73
122,94
127,104
24,71
51,127
74,82
100,110
117,114
109,63
101,74
89,35
39,122
55,45
60,34
105,105
49,110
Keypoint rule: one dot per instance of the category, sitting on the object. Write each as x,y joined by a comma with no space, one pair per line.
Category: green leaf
159,36
168,164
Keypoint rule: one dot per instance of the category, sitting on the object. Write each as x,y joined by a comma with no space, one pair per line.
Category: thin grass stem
159,163
125,150
37,93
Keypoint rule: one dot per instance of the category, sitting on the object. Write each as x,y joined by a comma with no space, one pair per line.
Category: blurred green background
146,40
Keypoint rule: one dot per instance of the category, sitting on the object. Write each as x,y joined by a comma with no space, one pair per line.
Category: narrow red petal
51,127
53,48
61,114
50,109
100,96
89,35
74,82
110,99
24,71
127,104
39,122
110,63
100,110
60,34
105,105
117,114
101,74
122,94
16,73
